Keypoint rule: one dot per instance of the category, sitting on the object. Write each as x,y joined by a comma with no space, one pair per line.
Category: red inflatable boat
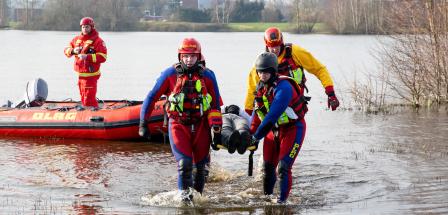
114,120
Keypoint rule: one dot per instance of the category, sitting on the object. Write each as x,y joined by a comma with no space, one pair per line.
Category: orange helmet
87,21
273,37
190,46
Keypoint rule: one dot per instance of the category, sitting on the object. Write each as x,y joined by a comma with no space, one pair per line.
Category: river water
350,163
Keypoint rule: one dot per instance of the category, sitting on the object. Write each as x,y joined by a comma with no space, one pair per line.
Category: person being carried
193,110
280,108
235,135
292,60
90,52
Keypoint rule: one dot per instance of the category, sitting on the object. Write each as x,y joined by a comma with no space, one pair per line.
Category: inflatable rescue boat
113,120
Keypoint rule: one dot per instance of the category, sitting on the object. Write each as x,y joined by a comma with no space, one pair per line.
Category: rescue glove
333,101
216,138
215,122
253,144
143,130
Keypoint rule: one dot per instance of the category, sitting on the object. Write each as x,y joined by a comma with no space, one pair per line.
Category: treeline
338,16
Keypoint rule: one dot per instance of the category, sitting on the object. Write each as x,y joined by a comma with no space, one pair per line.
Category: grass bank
182,27
215,27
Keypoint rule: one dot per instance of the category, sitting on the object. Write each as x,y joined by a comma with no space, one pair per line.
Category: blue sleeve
282,97
156,91
211,75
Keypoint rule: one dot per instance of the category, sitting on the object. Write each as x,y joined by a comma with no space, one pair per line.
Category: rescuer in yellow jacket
292,60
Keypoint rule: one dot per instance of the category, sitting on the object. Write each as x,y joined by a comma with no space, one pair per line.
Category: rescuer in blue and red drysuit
89,51
280,107
193,109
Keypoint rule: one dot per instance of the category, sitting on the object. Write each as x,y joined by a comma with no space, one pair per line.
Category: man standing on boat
193,109
292,60
89,51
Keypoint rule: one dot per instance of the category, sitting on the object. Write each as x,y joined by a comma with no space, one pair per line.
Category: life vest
189,100
296,109
288,67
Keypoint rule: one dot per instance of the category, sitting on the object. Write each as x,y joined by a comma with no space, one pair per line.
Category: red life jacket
265,96
189,100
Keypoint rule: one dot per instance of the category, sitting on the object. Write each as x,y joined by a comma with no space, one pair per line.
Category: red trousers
87,90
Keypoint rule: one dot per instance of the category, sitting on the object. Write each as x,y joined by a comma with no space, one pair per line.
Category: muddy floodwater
350,162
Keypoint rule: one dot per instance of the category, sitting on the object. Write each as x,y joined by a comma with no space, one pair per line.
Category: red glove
214,118
333,101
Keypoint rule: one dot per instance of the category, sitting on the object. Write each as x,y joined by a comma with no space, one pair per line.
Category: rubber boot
233,141
244,142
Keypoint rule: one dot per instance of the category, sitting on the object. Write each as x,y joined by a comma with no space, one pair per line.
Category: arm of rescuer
252,81
221,103
69,50
312,65
100,55
214,116
282,97
161,87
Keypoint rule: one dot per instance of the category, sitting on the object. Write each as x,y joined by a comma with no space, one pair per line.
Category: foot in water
186,197
281,202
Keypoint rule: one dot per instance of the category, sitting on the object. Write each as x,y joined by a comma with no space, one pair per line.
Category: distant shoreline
161,26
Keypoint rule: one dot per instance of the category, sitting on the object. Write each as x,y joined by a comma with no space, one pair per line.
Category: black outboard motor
35,95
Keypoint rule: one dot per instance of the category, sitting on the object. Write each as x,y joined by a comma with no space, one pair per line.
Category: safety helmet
87,21
267,62
273,37
190,46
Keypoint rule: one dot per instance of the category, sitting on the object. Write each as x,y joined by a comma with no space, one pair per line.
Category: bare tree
4,7
306,15
222,10
417,58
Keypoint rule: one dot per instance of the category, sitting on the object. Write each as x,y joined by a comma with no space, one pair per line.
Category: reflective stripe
102,54
68,51
88,74
177,102
297,75
93,58
214,114
283,119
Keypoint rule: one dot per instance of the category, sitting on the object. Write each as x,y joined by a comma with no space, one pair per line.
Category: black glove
253,145
216,142
143,130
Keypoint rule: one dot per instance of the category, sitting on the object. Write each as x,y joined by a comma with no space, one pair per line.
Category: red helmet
87,21
273,37
189,46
